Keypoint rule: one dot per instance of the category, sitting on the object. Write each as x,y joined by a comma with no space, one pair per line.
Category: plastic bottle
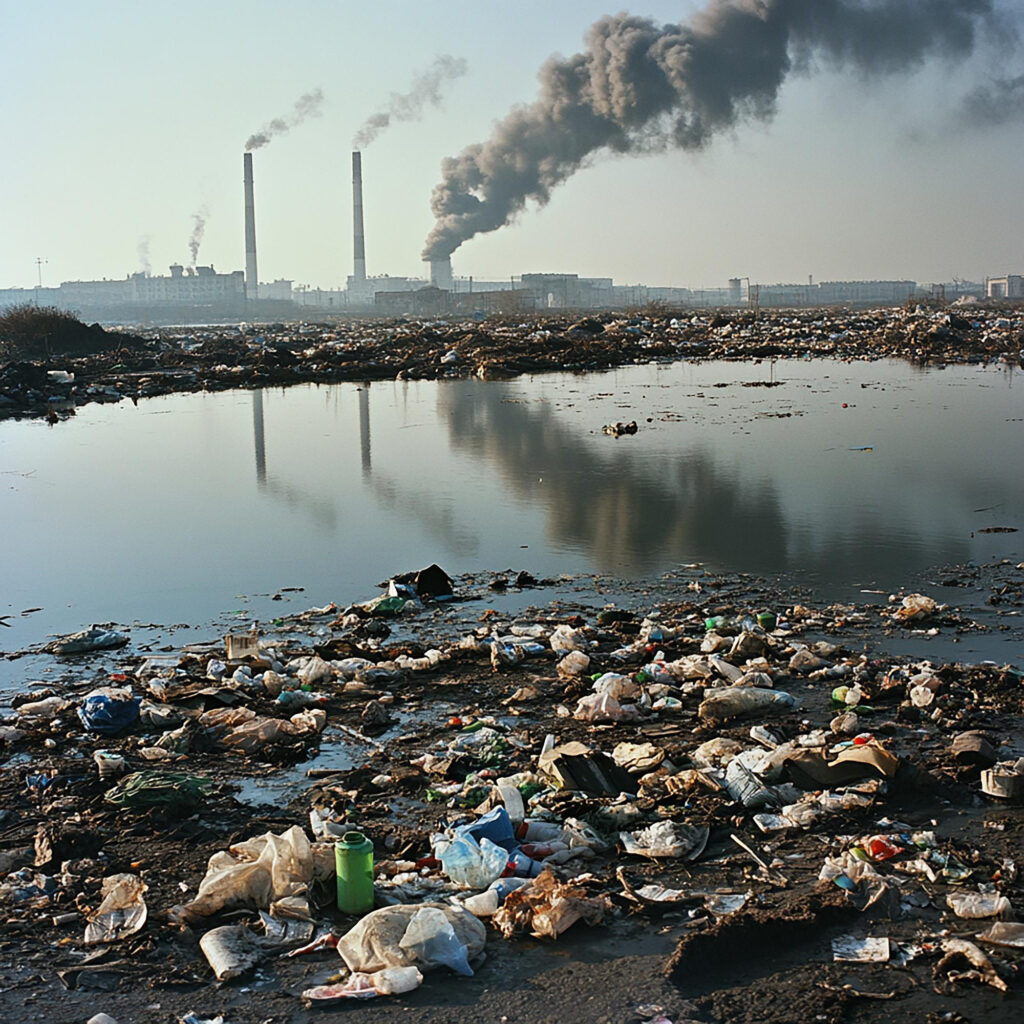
353,864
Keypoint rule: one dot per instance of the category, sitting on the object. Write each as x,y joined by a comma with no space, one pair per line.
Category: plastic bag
109,710
252,874
473,864
615,685
565,638
575,663
596,707
978,905
376,941
723,703
431,939
315,670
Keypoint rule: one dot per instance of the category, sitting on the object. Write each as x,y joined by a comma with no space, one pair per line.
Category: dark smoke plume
999,102
198,227
640,87
307,105
409,106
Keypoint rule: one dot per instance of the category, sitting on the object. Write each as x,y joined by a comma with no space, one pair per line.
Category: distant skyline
125,125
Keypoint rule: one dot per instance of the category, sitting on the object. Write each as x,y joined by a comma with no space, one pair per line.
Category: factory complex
191,292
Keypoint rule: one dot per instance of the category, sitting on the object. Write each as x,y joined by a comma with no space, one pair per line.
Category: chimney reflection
323,508
364,429
258,441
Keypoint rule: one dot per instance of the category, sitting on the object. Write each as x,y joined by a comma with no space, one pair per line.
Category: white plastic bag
376,941
431,939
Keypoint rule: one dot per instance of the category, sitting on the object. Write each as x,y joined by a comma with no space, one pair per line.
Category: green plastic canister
353,864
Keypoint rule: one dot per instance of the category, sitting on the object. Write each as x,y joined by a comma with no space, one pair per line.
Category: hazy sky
123,120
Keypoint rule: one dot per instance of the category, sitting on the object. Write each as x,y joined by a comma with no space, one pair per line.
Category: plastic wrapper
122,913
391,981
545,908
666,839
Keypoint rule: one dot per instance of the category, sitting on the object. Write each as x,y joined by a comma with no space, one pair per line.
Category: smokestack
358,240
251,277
441,273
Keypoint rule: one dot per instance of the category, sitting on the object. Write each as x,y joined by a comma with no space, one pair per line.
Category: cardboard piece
576,766
809,769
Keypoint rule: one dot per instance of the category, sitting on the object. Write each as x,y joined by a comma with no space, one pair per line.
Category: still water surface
169,511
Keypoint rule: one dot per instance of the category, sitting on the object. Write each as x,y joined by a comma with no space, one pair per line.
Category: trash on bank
425,935
546,907
158,788
95,638
122,912
255,873
666,839
964,961
389,981
109,710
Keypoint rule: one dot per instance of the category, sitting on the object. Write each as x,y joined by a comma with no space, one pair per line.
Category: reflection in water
259,444
364,429
468,474
322,507
632,511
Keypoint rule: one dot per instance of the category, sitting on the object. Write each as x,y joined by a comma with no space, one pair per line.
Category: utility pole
39,276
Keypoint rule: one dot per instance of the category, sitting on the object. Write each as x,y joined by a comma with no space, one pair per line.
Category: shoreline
182,360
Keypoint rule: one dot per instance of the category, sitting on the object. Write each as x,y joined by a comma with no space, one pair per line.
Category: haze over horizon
128,122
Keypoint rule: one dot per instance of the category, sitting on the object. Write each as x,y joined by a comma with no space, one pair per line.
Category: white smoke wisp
639,86
426,91
198,228
307,105
142,251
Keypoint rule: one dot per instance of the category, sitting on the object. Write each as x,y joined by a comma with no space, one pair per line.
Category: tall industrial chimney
441,273
358,240
251,277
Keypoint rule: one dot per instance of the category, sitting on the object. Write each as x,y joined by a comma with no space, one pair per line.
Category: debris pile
179,360
727,770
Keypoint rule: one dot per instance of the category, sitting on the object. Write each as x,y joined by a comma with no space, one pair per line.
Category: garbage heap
719,768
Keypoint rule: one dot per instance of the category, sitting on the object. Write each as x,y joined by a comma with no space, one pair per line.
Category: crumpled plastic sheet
155,788
425,935
122,912
666,839
254,873
93,639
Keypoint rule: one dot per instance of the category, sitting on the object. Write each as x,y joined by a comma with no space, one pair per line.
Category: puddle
338,752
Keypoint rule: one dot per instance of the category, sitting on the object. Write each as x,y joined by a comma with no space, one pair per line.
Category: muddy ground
178,360
769,961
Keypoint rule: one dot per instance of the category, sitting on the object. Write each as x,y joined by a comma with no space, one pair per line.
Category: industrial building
1009,287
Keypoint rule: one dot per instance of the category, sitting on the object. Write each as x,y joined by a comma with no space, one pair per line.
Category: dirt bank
171,361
